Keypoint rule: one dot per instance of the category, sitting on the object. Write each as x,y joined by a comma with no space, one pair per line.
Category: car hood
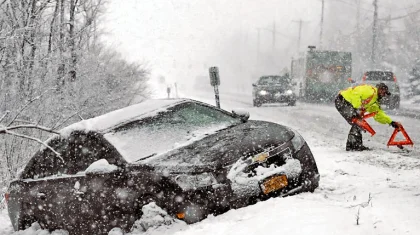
222,148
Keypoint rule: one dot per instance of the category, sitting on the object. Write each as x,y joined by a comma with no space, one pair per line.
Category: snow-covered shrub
154,217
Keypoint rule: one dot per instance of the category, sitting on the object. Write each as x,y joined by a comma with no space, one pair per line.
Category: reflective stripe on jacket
366,96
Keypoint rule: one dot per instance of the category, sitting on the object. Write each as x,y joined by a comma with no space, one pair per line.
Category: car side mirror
241,114
101,167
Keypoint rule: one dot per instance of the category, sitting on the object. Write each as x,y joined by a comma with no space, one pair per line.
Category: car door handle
41,196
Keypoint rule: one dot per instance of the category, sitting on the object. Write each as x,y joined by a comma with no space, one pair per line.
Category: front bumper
240,192
303,177
307,181
275,98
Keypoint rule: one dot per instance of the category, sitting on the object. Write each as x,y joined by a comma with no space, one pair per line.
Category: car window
268,80
78,151
379,76
198,115
182,124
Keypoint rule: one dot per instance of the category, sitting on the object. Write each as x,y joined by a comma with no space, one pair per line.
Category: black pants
355,138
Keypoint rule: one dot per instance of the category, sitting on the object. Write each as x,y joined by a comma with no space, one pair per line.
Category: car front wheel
256,103
292,103
192,213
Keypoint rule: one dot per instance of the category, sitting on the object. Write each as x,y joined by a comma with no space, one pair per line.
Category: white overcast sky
182,38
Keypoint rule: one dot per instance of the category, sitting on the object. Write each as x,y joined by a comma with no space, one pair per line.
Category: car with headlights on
273,89
190,158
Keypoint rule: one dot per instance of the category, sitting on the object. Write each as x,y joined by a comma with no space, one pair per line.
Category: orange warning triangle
406,141
365,125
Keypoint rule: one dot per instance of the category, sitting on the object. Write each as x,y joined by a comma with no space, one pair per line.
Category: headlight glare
262,92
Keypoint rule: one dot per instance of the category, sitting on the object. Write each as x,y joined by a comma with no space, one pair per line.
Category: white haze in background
181,39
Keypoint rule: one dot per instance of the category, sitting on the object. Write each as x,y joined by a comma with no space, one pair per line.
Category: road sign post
215,82
168,90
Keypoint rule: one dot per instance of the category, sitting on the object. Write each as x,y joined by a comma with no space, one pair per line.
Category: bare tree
42,43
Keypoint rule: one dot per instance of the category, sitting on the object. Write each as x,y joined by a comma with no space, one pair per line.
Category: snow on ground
373,192
413,103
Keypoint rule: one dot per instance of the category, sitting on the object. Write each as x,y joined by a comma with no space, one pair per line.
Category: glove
395,124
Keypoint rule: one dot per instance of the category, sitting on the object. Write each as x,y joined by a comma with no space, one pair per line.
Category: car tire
25,222
292,103
194,213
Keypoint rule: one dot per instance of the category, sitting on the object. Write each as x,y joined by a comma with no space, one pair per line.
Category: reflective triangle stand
400,143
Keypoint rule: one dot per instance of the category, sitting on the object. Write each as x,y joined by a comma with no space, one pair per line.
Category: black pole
375,31
322,25
216,93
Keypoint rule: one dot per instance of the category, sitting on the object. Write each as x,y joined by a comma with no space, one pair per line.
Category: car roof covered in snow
111,120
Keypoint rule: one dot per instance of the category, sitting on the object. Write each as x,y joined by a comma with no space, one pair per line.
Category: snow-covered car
190,158
273,89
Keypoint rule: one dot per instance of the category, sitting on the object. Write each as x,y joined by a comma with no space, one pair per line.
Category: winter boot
355,140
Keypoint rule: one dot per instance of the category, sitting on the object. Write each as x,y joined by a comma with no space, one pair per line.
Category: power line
271,30
300,31
374,32
401,17
322,24
371,10
352,4
370,4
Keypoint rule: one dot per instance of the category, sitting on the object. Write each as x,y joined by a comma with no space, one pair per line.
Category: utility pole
258,46
322,24
358,18
374,31
274,35
300,33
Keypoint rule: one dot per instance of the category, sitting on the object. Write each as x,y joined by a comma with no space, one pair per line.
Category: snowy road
323,121
378,189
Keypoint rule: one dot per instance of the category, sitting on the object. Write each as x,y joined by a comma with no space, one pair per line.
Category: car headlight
297,141
289,92
187,182
262,92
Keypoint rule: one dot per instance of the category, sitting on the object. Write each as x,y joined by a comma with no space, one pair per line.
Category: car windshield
379,76
270,80
180,126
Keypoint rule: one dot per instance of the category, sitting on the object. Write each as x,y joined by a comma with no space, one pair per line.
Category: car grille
277,156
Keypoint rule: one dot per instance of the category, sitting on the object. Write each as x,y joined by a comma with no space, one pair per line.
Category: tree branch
42,128
30,101
4,116
37,140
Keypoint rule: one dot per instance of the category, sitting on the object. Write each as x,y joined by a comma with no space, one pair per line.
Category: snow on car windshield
273,80
179,126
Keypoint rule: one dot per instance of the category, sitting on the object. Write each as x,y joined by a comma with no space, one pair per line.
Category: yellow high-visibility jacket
366,96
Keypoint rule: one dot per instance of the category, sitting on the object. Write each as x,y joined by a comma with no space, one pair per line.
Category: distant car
190,158
273,89
389,78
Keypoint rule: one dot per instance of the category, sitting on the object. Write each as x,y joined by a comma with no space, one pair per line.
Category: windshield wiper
149,156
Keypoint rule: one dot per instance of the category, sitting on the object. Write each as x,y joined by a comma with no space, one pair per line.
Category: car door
59,194
47,190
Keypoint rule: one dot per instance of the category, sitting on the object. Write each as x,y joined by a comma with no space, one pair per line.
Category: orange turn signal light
180,215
